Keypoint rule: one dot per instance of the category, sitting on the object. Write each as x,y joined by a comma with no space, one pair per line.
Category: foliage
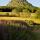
15,33
20,6
5,7
23,5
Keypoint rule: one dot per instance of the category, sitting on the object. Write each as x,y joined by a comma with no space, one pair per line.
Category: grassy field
16,31
3,13
20,18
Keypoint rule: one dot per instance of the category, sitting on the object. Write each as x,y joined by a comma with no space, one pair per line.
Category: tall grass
9,32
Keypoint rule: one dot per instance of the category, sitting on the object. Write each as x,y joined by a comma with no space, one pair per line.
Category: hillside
22,5
21,8
18,3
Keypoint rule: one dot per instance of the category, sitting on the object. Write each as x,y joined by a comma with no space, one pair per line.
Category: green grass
3,13
36,35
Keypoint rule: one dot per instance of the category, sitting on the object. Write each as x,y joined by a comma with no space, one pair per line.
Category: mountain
22,5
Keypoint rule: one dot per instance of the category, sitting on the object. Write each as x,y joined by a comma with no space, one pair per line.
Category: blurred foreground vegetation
14,32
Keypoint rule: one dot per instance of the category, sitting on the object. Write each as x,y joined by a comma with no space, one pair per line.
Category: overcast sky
33,2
